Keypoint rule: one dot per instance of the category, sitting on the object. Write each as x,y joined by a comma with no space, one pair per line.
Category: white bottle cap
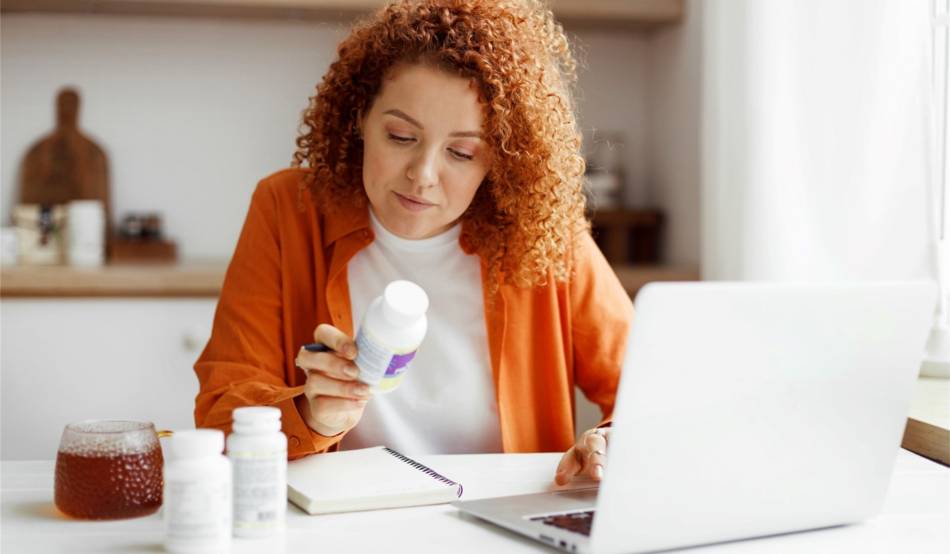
404,302
197,443
256,419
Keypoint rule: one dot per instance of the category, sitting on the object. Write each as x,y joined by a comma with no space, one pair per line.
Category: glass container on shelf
605,172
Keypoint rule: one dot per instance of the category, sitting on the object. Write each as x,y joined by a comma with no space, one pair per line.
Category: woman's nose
424,171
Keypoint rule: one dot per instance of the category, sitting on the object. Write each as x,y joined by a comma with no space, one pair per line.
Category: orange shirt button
294,441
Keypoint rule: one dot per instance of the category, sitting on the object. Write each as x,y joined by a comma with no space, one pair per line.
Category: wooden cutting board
66,165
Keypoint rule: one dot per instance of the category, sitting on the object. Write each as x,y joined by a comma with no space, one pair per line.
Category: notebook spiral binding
425,469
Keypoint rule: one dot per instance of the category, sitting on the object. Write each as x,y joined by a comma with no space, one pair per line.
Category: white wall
192,112
816,129
675,75
613,96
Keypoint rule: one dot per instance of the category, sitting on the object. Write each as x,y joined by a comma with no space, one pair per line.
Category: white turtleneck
446,404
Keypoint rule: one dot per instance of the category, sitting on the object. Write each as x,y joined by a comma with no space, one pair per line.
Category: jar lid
252,414
256,419
196,443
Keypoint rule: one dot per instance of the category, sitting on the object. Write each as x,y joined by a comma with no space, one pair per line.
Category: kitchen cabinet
636,13
69,359
121,341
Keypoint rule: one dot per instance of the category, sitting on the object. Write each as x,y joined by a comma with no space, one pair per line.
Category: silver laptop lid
750,409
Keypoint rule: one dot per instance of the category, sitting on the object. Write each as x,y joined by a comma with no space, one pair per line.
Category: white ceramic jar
85,233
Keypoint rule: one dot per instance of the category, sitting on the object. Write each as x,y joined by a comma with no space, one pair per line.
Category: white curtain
816,136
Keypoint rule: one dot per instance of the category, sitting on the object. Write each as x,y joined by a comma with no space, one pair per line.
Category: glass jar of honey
108,469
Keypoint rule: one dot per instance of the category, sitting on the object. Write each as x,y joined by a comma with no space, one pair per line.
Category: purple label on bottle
398,364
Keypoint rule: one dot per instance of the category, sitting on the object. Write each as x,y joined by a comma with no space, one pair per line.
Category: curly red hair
525,215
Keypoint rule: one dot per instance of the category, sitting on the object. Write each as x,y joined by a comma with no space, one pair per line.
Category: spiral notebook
365,479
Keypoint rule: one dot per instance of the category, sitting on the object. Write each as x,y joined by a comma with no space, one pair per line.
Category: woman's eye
400,139
461,155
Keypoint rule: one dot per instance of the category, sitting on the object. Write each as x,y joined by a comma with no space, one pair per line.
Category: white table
915,517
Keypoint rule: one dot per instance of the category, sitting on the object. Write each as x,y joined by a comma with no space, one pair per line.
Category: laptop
744,410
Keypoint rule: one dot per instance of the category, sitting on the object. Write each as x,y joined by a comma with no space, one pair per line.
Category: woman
442,148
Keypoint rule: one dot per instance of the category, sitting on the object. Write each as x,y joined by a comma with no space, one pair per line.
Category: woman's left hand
587,457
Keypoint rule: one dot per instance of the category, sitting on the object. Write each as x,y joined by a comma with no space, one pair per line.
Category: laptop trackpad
561,501
530,505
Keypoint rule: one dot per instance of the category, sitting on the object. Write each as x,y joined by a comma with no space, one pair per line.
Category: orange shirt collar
343,220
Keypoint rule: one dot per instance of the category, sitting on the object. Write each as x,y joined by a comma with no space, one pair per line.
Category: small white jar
85,233
258,452
390,333
197,493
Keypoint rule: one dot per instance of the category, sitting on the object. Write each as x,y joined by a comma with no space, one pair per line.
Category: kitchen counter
188,279
203,279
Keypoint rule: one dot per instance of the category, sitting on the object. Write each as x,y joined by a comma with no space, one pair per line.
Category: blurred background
725,139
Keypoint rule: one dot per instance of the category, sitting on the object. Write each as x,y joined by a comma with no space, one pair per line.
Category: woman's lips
412,205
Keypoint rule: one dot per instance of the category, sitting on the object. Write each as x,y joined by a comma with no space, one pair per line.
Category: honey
93,485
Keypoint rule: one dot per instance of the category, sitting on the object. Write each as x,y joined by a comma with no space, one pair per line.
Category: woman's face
423,155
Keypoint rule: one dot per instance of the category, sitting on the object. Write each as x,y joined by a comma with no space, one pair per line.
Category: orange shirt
288,275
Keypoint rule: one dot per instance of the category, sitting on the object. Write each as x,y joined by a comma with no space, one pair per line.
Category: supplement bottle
197,493
390,333
258,453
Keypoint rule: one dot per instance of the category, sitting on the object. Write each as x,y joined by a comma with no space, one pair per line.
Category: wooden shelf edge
927,440
209,9
132,292
632,14
204,280
187,280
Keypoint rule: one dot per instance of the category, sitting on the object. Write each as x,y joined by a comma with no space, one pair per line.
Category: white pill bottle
258,453
197,493
390,334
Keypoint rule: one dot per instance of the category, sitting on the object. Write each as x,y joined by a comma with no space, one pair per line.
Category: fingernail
351,371
362,390
349,350
598,471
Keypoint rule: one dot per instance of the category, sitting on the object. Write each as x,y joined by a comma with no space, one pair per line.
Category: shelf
622,13
195,280
628,236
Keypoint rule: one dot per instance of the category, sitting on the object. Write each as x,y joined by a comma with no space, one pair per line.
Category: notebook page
363,473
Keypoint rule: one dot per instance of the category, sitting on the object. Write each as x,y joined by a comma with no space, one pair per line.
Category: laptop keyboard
577,522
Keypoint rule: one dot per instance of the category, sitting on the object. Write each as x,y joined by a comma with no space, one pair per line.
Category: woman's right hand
333,400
